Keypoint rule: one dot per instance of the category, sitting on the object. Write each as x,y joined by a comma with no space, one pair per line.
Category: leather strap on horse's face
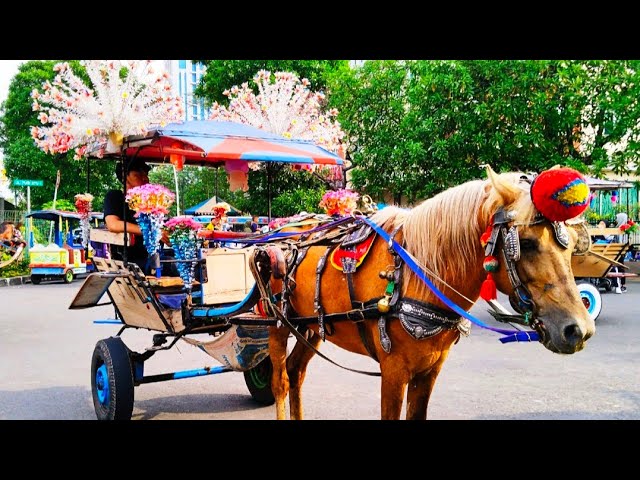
521,300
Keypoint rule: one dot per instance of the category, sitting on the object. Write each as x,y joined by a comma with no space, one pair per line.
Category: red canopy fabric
212,141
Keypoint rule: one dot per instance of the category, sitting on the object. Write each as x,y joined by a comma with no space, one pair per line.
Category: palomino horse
11,243
6,231
412,333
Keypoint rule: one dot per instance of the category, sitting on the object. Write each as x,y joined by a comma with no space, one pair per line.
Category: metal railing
15,216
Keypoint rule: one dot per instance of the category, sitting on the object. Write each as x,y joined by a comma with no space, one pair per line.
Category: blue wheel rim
102,385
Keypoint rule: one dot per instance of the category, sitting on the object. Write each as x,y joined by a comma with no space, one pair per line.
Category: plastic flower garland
95,119
340,202
629,228
182,233
151,203
83,206
286,106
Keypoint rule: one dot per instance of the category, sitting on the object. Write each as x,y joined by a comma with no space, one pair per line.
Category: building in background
184,76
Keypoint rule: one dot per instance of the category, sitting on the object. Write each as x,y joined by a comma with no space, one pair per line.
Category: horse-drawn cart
221,307
599,267
223,304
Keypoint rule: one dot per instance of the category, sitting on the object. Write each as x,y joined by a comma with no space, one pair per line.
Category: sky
8,68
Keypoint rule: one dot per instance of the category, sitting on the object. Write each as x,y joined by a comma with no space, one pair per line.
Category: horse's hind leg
297,364
279,381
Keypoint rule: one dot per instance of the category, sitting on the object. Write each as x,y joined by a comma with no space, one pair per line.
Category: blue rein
509,335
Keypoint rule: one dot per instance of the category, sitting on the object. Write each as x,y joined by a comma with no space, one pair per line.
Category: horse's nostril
573,334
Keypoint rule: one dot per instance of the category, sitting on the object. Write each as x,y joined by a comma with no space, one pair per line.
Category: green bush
16,269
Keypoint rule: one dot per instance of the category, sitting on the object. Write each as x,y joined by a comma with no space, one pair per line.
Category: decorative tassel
488,288
490,264
484,238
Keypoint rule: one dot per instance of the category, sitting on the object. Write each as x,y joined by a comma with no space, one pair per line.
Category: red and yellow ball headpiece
560,193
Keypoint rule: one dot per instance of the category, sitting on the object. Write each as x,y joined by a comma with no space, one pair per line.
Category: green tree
23,159
419,127
221,75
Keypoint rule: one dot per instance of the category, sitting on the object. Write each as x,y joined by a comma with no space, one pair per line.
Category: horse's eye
528,245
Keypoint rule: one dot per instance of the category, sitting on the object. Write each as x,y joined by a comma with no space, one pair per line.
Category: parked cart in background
55,252
596,271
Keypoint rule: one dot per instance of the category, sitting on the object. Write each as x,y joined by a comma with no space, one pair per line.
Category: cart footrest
620,274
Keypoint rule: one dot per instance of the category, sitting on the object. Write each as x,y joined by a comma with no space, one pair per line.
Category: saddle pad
358,253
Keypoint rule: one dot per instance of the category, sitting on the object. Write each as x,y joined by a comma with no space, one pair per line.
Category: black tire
36,279
112,380
68,276
591,298
258,380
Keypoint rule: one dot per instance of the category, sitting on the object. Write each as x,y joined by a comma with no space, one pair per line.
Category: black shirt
114,204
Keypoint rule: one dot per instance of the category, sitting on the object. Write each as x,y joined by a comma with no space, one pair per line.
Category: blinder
583,244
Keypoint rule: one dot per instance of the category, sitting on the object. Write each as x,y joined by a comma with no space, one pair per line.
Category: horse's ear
507,192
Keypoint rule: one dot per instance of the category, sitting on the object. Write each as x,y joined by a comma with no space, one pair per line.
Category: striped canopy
212,141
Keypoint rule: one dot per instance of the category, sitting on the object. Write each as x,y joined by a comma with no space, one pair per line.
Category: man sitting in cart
137,174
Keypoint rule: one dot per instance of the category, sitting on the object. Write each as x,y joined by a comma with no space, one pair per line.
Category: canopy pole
269,191
175,179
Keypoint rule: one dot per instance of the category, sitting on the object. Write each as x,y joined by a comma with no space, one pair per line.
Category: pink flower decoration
340,202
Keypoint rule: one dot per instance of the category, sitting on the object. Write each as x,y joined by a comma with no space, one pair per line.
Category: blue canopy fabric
54,215
205,141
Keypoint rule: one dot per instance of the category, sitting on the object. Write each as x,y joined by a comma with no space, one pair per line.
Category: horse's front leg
297,364
279,380
393,388
420,388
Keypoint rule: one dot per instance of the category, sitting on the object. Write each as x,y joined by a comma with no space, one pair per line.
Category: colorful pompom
490,264
560,193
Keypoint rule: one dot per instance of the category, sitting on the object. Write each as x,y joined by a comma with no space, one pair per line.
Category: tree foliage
419,127
221,75
414,128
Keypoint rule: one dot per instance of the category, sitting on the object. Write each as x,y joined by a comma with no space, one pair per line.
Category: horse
7,231
411,330
11,243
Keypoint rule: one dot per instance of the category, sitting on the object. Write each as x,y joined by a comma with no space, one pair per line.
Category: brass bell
383,304
383,274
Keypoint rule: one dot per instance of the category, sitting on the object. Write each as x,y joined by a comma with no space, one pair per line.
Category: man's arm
115,225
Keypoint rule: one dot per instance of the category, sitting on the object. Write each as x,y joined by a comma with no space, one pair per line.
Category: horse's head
6,231
534,257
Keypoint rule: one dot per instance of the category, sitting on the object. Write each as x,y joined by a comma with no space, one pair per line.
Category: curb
7,282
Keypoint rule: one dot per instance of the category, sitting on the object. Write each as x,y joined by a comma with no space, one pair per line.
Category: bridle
521,300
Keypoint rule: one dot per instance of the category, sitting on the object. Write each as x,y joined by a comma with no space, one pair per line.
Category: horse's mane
443,232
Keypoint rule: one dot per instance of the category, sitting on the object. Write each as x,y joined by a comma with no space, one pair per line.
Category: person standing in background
621,282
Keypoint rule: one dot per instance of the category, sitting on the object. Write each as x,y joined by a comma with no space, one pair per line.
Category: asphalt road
46,353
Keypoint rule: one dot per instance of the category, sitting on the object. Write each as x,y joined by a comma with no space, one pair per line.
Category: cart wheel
258,380
112,380
68,276
591,298
36,279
